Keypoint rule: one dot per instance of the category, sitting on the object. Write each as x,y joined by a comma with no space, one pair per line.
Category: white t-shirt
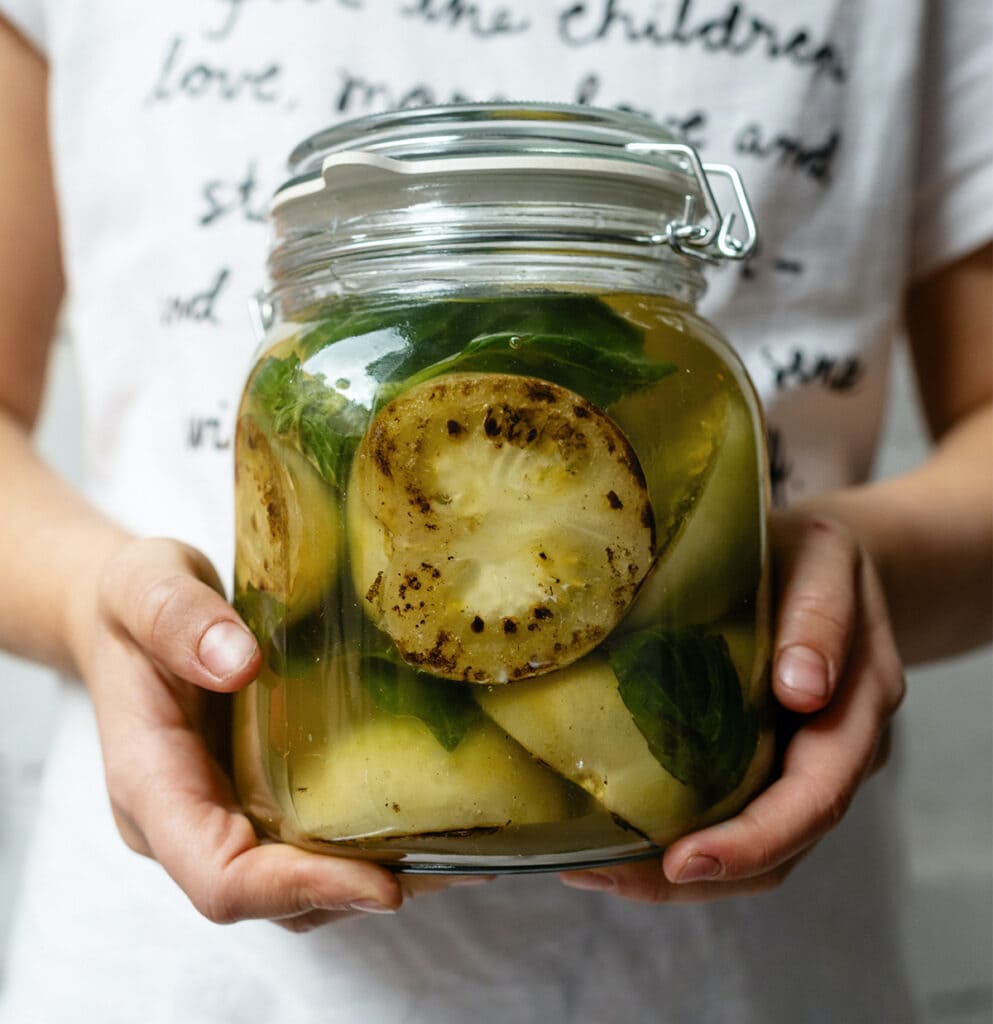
858,129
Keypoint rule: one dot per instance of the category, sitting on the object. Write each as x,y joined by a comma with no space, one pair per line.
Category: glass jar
501,498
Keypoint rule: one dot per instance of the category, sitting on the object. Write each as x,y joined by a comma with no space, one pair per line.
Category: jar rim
484,129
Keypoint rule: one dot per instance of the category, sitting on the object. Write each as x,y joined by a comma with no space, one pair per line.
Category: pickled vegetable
287,522
499,526
389,776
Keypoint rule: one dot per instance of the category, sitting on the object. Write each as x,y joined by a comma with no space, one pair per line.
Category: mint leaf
446,708
683,693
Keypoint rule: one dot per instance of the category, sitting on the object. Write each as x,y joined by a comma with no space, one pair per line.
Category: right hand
158,635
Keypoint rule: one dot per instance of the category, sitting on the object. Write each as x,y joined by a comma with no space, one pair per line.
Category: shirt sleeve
953,206
28,17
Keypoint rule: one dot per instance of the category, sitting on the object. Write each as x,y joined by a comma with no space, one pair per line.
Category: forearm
930,533
52,544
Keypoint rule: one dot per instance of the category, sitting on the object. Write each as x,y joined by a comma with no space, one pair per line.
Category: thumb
167,597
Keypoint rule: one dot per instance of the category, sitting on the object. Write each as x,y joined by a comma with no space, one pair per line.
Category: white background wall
948,756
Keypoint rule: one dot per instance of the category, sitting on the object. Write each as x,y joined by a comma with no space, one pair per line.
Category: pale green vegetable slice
391,777
713,563
286,522
576,722
498,525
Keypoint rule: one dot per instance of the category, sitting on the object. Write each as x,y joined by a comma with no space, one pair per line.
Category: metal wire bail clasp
711,236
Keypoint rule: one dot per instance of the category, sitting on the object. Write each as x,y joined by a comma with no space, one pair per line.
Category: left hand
836,665
149,651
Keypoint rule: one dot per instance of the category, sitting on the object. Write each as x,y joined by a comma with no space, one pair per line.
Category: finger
823,766
412,885
646,882
165,596
817,569
187,815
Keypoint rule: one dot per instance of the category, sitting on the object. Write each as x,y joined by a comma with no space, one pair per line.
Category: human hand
835,665
159,636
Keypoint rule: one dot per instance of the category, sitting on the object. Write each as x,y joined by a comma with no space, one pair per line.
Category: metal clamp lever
710,237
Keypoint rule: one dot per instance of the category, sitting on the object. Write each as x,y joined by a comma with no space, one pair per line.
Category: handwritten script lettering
198,79
736,32
801,369
358,94
479,20
207,432
813,160
223,198
201,307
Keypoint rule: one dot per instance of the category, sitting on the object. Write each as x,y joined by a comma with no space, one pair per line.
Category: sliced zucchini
576,722
286,522
391,777
499,526
713,563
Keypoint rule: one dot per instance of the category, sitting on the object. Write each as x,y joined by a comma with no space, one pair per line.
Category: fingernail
225,648
589,881
803,670
698,867
371,907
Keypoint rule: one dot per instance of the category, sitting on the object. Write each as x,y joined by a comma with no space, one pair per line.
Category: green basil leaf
446,708
684,695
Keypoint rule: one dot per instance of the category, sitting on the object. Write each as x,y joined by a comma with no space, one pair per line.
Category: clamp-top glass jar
501,498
